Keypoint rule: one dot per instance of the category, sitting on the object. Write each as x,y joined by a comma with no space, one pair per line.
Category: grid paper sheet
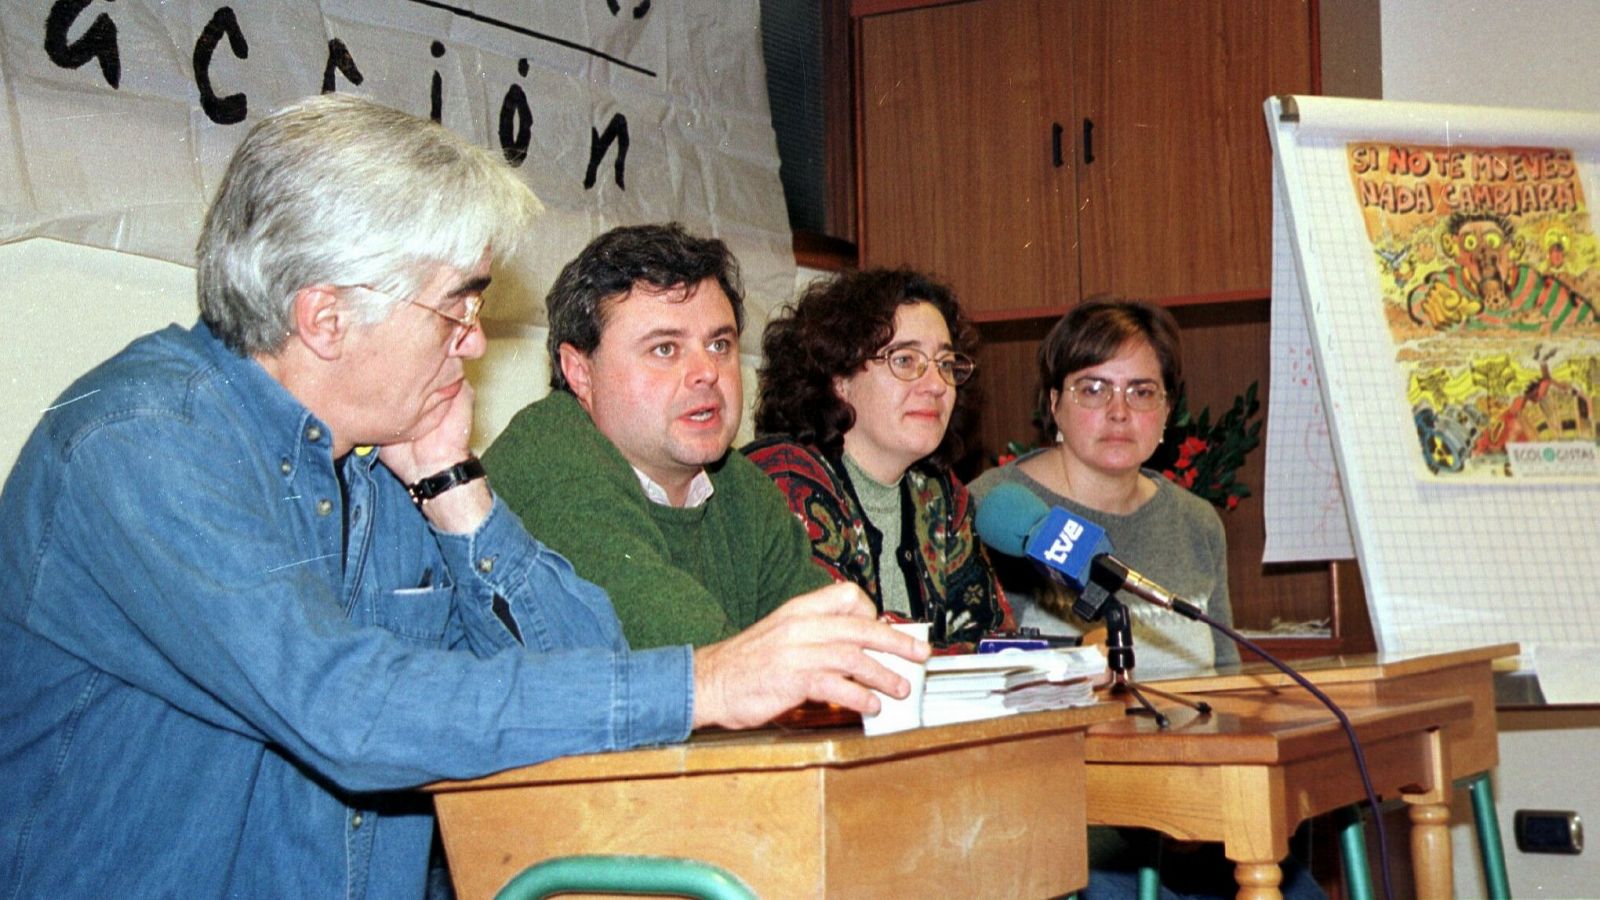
1304,503
1445,565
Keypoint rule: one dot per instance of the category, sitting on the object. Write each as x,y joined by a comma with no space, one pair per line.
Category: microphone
1075,552
1069,549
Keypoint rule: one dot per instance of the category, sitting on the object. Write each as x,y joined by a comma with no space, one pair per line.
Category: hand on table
808,649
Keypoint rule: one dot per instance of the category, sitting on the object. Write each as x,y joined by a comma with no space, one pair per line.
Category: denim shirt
206,690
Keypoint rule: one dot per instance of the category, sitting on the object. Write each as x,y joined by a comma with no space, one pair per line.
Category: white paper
1445,566
1567,674
130,167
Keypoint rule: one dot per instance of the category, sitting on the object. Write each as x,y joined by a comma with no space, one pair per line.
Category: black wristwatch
469,469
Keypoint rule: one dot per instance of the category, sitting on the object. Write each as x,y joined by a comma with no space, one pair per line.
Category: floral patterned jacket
951,583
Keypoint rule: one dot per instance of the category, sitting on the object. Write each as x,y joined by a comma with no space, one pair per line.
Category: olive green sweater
675,576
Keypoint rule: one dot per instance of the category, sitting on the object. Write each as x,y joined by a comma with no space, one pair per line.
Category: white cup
899,715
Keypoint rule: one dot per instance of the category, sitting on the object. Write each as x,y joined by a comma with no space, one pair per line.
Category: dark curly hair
661,256
835,326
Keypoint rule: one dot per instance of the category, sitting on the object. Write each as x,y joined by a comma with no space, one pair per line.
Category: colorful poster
1489,269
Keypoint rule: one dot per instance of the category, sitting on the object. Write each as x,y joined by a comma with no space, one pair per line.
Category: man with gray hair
258,588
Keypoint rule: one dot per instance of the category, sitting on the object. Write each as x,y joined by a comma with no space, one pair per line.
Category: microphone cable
1192,611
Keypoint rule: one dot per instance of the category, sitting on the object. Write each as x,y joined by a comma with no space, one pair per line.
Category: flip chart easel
1447,564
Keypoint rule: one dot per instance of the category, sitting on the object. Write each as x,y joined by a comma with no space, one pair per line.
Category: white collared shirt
700,489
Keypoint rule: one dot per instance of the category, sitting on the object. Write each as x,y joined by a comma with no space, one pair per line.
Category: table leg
1430,850
1258,880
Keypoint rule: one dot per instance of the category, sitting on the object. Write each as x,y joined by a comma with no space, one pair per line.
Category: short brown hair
613,263
1095,330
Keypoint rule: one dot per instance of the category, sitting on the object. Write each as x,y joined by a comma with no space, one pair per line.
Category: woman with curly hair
864,387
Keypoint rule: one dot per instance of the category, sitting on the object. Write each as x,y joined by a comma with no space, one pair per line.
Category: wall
1527,54
73,306
1546,762
67,308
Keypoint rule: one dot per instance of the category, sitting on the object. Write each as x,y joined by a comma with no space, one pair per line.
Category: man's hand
442,446
461,509
808,649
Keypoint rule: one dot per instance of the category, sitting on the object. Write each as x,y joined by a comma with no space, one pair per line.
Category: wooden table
1471,744
1474,743
1259,764
991,808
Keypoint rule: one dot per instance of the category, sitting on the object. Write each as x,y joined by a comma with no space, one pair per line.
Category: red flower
1189,449
1233,501
1188,479
1004,458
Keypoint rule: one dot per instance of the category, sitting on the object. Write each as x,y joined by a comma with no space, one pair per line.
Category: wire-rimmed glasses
909,364
1142,395
463,324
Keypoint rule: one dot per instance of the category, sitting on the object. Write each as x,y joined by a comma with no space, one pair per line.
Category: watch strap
469,469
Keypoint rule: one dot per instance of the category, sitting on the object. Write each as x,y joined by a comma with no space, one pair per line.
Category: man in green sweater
625,467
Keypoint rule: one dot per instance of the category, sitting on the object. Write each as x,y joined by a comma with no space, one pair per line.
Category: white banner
120,116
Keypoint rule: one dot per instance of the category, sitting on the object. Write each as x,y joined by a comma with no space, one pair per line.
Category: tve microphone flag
1064,546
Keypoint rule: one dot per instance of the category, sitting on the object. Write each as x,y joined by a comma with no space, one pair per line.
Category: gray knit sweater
1175,539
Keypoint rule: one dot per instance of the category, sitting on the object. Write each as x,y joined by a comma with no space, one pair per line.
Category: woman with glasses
1107,372
864,386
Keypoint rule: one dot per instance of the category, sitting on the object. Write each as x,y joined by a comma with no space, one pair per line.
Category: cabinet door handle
1055,144
1088,141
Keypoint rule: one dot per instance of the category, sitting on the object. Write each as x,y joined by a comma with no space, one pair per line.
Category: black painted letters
232,108
99,42
616,133
339,60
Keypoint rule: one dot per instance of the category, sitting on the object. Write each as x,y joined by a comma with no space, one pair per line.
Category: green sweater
675,576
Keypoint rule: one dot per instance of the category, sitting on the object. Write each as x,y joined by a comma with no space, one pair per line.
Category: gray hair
340,190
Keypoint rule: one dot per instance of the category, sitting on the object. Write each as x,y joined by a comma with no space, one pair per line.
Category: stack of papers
972,686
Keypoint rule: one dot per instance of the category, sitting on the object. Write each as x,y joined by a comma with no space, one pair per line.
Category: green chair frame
1491,847
620,874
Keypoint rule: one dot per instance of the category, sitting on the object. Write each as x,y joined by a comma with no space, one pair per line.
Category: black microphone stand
1119,655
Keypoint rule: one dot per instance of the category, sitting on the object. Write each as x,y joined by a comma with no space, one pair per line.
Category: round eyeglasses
1096,393
909,364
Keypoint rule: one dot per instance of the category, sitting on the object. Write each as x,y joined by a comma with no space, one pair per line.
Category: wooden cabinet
958,175
1034,152
1178,198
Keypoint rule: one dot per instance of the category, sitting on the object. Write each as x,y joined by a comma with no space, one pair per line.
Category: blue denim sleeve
512,589
505,581
165,558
